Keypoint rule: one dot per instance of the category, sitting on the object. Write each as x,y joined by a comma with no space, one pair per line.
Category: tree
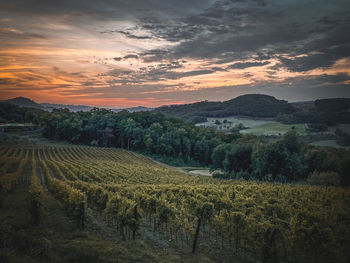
275,160
219,154
290,139
238,158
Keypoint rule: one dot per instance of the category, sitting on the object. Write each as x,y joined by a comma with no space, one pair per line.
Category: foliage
343,138
275,129
324,111
325,178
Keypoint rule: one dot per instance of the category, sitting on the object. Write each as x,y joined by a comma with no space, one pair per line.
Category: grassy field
329,143
111,205
258,127
275,128
228,123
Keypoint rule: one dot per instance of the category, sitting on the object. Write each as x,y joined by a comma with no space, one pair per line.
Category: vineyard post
135,227
196,234
1,196
35,211
82,211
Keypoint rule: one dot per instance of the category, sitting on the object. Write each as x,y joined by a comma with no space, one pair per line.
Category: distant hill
326,111
134,109
304,105
333,105
333,110
23,102
73,108
252,105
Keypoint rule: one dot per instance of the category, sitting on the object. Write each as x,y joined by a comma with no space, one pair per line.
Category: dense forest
238,156
325,111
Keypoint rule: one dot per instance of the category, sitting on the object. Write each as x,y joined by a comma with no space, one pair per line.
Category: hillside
23,102
326,111
252,105
56,235
73,108
64,203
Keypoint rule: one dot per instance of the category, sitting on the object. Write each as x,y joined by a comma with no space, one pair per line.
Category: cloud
127,34
239,30
131,56
198,49
19,34
105,9
242,65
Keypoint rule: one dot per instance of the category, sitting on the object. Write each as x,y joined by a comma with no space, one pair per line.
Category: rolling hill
26,102
252,105
329,111
23,102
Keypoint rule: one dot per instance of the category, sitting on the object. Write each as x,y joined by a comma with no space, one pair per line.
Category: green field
90,204
227,123
275,128
258,127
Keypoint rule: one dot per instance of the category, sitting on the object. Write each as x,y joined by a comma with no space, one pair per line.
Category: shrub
325,178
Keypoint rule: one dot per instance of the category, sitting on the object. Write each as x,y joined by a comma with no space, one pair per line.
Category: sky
123,53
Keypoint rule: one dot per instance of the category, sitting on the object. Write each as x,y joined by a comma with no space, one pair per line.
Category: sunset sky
122,53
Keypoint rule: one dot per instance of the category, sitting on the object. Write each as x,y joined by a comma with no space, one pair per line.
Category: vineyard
265,222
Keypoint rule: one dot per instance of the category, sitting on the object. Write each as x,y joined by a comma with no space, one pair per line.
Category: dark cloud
127,34
131,56
247,65
306,63
162,71
229,31
105,9
224,30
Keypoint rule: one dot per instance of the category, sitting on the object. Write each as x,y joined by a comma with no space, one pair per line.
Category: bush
281,179
199,119
317,127
325,178
243,175
342,137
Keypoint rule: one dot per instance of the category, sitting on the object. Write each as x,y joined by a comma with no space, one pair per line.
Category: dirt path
27,172
98,226
204,172
40,173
